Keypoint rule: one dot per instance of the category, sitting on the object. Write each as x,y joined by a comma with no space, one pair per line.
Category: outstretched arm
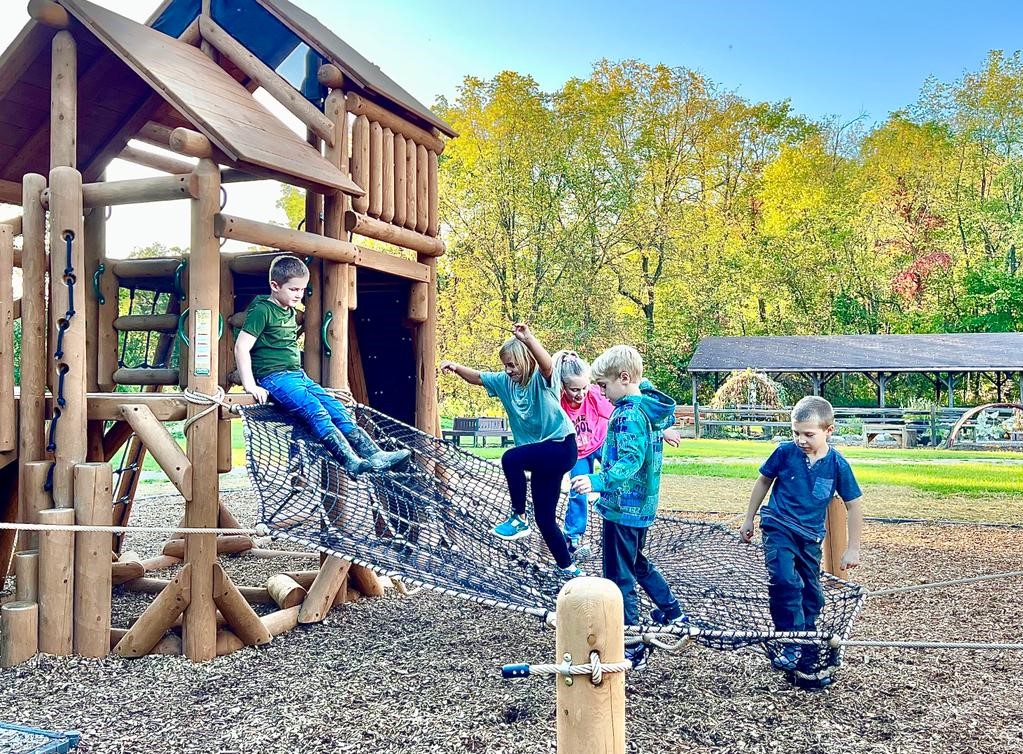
471,376
543,359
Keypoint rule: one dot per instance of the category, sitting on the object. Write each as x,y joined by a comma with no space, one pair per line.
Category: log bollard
591,618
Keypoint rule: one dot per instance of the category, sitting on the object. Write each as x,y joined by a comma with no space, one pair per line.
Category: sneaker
571,572
668,618
582,552
514,527
787,659
820,680
637,654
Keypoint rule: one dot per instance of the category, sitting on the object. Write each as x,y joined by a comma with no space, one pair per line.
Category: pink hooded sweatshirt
590,419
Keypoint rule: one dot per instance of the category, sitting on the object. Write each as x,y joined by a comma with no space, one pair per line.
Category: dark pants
299,395
625,564
794,579
547,462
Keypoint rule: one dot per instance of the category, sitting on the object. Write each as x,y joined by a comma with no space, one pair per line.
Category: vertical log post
411,185
26,576
8,440
400,181
314,301
108,304
93,507
422,190
426,355
387,179
335,275
591,619
64,101
70,289
94,228
34,497
836,538
200,626
19,633
335,300
360,162
56,583
225,366
376,169
433,224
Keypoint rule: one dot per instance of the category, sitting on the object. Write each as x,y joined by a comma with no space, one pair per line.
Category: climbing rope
126,529
594,668
212,402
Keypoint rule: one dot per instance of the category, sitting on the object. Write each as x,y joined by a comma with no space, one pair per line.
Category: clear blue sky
827,57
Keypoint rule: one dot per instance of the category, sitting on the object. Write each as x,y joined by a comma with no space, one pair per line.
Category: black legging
547,462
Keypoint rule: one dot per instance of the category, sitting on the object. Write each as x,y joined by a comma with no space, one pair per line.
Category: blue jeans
625,564
299,395
578,504
794,579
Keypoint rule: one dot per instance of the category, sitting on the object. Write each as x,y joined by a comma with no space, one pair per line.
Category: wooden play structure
77,86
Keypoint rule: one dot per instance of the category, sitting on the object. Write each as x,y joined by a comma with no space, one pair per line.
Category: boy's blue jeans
299,395
577,509
794,579
625,564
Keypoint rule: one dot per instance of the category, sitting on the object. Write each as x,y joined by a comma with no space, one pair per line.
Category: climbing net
431,523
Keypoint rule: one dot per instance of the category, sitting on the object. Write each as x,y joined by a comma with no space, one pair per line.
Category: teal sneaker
571,572
514,527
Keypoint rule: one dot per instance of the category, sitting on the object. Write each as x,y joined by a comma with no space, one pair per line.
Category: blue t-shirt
801,493
534,411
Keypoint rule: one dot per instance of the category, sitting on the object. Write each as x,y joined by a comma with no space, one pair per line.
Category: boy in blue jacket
629,485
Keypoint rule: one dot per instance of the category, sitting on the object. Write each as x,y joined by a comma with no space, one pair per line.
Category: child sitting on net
269,364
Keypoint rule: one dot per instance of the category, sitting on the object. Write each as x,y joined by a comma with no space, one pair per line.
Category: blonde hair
515,350
567,364
813,408
616,360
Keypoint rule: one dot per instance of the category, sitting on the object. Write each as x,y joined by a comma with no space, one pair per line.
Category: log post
225,453
422,190
48,13
335,301
19,633
94,228
285,591
164,448
56,583
26,576
149,629
200,627
836,538
591,619
426,356
64,101
411,185
334,295
333,572
387,179
314,302
433,224
67,270
376,169
400,181
93,506
360,162
8,440
236,611
34,497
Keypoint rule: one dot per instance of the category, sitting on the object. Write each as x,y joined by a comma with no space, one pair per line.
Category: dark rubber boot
380,460
342,452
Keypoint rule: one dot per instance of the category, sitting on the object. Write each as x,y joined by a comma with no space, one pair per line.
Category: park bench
905,435
479,428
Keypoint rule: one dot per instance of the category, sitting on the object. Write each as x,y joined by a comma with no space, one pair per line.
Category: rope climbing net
430,524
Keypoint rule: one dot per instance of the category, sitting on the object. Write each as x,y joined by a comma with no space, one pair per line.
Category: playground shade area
421,673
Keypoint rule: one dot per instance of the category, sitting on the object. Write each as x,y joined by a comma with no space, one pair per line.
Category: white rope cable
928,644
128,529
594,668
212,402
942,584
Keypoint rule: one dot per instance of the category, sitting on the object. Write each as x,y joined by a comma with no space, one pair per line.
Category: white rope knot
210,401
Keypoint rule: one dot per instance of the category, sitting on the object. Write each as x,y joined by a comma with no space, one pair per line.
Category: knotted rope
595,669
212,402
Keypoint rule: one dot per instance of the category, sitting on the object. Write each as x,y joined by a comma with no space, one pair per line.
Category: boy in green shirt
269,364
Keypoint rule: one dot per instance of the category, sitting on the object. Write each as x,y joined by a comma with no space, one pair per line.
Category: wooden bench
906,436
479,428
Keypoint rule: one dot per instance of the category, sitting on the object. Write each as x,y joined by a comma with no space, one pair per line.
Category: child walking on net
269,364
545,442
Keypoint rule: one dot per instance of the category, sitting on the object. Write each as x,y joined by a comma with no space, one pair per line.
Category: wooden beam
48,13
285,239
10,192
163,163
56,583
191,143
320,599
236,610
161,614
135,191
164,448
64,102
276,86
360,162
8,438
330,76
364,225
15,224
93,499
361,106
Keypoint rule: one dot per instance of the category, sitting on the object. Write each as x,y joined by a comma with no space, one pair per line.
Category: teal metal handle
178,274
183,331
96,278
328,317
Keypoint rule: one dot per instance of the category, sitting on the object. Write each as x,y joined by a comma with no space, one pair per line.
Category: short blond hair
516,351
616,360
813,408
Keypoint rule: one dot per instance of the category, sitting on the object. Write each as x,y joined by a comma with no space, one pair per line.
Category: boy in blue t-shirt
802,476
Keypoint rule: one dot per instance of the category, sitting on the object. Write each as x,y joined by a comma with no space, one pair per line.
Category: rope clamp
565,669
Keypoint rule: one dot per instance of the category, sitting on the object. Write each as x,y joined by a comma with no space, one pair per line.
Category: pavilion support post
696,405
882,385
200,626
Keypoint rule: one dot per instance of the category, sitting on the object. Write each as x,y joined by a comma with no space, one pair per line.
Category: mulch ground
421,674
